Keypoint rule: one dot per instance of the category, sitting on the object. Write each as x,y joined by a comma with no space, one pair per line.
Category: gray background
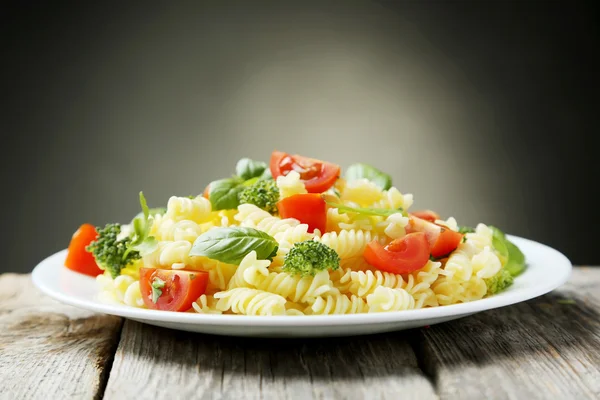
482,110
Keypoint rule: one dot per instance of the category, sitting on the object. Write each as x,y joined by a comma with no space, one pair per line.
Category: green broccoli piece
263,194
499,282
309,257
110,253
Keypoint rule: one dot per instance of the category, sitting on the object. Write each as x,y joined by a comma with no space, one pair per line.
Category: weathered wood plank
546,348
153,362
49,350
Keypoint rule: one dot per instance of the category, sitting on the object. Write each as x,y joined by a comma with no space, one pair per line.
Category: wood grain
49,350
151,362
548,347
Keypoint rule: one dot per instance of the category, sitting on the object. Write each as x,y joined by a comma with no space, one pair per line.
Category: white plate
547,269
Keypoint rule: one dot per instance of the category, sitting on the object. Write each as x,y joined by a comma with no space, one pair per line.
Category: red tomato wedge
446,243
317,175
431,230
406,254
78,259
308,208
171,290
427,215
441,240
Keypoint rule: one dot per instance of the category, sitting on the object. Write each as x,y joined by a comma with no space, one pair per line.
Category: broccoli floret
499,282
310,257
109,252
263,194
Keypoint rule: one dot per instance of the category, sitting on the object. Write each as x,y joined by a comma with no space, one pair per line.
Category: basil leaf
365,171
157,284
382,212
230,245
251,182
516,259
499,244
266,176
154,211
141,240
247,168
223,194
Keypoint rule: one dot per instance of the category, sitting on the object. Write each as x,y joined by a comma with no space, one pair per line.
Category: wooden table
546,348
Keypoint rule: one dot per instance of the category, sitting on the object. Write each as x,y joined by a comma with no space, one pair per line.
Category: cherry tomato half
446,243
171,290
427,215
442,240
317,175
308,208
406,254
78,259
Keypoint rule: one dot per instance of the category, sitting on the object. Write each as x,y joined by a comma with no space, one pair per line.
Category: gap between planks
49,350
546,347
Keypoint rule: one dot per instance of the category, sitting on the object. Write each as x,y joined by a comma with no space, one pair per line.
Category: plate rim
189,318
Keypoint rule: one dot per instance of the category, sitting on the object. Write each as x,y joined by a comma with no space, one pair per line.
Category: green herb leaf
157,284
514,259
499,244
365,171
248,169
155,211
230,245
141,240
251,181
383,212
465,229
223,194
266,176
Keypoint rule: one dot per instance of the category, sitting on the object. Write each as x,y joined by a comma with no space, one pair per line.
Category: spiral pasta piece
393,226
249,271
253,217
124,289
486,263
290,185
170,230
250,302
481,238
168,253
387,299
341,279
181,208
295,288
347,243
423,278
361,192
394,200
359,222
133,296
335,219
205,305
363,283
338,304
458,266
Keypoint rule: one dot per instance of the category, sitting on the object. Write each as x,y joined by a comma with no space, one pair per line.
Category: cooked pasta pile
264,287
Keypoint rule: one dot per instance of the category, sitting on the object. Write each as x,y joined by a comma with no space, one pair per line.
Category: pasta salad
295,237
